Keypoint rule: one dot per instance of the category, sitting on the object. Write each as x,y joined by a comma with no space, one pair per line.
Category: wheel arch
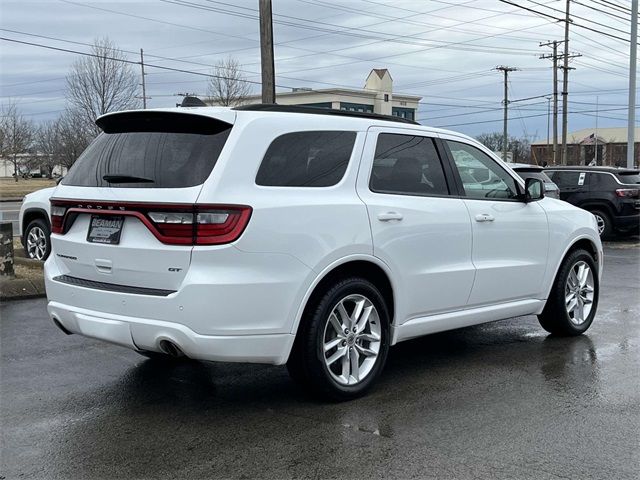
30,215
368,267
583,242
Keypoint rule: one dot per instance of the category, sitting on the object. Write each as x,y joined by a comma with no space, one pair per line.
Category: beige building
605,146
376,97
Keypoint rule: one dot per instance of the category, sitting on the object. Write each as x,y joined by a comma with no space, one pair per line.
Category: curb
21,289
16,199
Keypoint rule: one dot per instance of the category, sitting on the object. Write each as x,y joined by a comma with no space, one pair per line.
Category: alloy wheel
351,340
601,224
36,243
579,292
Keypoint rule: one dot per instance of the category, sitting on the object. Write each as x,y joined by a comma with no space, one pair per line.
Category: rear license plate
105,229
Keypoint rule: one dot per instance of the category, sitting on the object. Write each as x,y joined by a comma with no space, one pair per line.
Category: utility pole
554,57
548,123
144,87
565,86
266,53
631,130
595,156
505,138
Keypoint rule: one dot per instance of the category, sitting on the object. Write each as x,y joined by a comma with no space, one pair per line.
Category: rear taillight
172,224
220,225
57,218
628,192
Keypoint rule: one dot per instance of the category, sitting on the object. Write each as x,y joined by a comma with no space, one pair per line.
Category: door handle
388,216
484,217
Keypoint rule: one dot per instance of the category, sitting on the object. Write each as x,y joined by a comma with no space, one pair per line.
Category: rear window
150,150
306,159
629,177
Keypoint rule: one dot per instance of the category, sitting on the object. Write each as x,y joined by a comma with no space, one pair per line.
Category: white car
34,224
312,238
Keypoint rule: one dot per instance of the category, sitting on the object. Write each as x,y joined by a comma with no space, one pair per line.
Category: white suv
315,238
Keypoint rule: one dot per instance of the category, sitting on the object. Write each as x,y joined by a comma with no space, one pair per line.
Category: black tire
36,226
603,219
554,318
306,363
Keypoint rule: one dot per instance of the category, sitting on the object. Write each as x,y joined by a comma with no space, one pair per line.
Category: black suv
611,194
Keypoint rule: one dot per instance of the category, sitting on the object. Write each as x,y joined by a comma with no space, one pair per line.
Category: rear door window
407,164
306,159
567,180
150,150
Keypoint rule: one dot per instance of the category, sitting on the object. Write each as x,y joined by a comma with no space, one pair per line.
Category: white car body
243,301
33,202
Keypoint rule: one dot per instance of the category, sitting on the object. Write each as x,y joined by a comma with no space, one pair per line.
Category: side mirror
533,190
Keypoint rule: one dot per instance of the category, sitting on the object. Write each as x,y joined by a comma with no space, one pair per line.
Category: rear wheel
343,340
605,225
573,300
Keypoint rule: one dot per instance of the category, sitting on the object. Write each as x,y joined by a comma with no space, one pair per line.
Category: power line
561,20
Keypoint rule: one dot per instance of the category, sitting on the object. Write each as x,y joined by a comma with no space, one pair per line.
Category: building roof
381,71
606,135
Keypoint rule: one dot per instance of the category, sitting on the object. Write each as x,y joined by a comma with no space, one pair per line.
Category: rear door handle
388,216
484,217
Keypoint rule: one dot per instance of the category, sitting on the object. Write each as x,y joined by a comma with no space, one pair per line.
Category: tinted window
407,164
481,175
566,180
150,151
629,177
306,159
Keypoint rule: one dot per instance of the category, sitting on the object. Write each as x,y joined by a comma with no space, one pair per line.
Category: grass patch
9,188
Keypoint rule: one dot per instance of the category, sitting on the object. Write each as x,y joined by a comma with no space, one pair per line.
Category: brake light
216,226
57,218
627,192
172,224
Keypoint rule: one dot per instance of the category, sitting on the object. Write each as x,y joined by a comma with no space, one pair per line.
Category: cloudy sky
443,50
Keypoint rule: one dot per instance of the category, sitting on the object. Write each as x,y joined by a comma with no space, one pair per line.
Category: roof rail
273,107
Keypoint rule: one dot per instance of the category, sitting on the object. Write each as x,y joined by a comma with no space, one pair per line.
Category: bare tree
519,147
17,136
73,137
101,83
48,146
228,86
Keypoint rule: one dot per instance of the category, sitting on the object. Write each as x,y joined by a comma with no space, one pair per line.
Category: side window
566,180
306,159
481,176
407,164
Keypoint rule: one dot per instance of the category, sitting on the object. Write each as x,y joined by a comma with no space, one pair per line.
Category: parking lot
503,400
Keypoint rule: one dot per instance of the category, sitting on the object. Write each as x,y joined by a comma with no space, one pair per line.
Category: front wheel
573,300
37,237
343,340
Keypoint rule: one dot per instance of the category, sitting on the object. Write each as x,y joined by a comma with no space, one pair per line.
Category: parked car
534,171
35,225
315,238
611,194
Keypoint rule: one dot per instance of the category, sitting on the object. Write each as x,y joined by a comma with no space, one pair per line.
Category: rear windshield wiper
116,178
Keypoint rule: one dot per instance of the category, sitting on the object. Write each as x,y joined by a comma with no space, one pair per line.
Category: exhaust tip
171,348
60,326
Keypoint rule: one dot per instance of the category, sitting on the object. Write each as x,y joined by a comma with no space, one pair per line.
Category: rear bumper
627,222
231,306
147,334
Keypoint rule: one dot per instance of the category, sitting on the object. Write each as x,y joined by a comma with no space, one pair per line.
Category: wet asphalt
503,400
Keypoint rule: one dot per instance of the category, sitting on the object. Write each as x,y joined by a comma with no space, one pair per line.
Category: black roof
624,171
272,107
